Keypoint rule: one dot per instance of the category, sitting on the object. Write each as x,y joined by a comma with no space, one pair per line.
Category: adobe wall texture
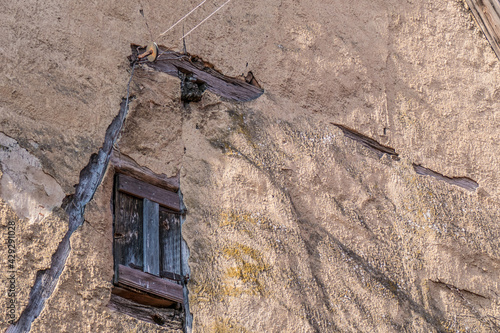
291,226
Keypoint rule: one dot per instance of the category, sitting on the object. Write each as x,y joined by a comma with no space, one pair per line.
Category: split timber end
171,62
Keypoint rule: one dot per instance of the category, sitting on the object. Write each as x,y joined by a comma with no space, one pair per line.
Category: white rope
182,18
215,11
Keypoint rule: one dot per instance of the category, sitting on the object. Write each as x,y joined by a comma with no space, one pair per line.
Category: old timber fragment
168,318
487,15
201,73
463,182
368,142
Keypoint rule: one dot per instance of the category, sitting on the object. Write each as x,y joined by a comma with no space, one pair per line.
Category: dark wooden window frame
148,285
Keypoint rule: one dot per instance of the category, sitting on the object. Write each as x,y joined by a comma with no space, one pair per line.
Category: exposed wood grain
487,15
367,141
170,243
171,62
124,164
150,284
142,298
140,189
169,318
128,231
463,182
151,237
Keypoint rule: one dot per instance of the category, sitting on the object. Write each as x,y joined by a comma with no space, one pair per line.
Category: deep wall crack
90,178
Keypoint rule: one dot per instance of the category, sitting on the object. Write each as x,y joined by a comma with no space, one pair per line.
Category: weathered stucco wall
291,226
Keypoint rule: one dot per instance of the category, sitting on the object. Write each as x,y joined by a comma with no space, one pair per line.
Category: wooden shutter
147,240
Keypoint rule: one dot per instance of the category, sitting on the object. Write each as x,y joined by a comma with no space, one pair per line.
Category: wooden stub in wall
171,62
487,15
156,194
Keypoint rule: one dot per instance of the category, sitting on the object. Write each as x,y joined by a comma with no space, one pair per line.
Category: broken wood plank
463,182
140,189
126,165
487,15
172,63
149,283
169,318
151,237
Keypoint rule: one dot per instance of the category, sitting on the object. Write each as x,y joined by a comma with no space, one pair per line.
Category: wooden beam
148,283
463,182
368,142
172,63
169,318
487,15
151,237
126,165
142,298
140,189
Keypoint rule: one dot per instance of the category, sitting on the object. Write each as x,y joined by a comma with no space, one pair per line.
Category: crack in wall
464,182
90,178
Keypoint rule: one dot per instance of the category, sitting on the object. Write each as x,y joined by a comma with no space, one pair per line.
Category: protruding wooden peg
151,52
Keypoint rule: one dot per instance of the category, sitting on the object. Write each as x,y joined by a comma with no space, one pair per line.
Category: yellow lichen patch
205,292
244,276
243,221
232,219
227,325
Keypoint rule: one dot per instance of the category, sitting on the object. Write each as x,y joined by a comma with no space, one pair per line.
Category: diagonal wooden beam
487,15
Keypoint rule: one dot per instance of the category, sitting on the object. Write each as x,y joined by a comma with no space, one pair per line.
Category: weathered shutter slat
128,231
149,283
140,189
170,242
151,237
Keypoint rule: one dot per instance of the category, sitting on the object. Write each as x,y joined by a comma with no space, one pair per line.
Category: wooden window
147,243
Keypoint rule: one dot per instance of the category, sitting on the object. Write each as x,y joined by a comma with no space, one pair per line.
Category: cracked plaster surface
24,185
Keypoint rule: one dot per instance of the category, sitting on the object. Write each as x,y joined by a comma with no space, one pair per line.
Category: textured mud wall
291,225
